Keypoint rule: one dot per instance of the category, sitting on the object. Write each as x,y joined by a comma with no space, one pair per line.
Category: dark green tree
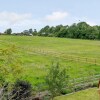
44,31
30,31
99,32
8,31
35,32
63,31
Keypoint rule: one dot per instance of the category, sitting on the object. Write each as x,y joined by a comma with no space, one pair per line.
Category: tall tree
30,31
35,32
44,31
8,31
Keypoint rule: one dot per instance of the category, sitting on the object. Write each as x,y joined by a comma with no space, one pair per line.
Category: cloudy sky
25,14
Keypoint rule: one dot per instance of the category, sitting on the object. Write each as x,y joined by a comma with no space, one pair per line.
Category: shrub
11,66
21,90
56,79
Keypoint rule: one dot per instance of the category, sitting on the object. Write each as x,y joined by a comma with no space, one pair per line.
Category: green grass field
37,54
89,94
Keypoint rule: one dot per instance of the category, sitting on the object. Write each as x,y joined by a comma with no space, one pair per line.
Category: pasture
80,57
89,94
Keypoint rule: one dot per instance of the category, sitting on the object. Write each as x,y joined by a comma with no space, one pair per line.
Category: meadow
89,94
79,57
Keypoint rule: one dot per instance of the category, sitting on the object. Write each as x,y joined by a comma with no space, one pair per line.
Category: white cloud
19,22
13,18
16,20
56,16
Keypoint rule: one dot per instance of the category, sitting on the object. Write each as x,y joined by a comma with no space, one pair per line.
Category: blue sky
25,14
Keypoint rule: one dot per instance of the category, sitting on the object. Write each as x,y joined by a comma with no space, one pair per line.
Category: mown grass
89,94
36,64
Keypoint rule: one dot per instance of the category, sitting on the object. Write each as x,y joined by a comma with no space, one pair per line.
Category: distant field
89,94
37,54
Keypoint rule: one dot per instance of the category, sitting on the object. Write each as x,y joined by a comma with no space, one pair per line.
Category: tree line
80,30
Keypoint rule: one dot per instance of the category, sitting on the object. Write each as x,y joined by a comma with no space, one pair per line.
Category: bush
21,90
11,65
57,80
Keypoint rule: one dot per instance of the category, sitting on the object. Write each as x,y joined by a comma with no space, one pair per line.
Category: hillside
80,57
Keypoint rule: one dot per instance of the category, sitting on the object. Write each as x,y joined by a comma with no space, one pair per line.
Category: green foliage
80,30
46,50
10,65
8,31
44,31
30,30
34,32
57,79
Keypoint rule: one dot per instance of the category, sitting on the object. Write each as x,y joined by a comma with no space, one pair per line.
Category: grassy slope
85,48
89,94
36,62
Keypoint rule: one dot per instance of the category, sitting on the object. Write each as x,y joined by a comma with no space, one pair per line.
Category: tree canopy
8,31
80,30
